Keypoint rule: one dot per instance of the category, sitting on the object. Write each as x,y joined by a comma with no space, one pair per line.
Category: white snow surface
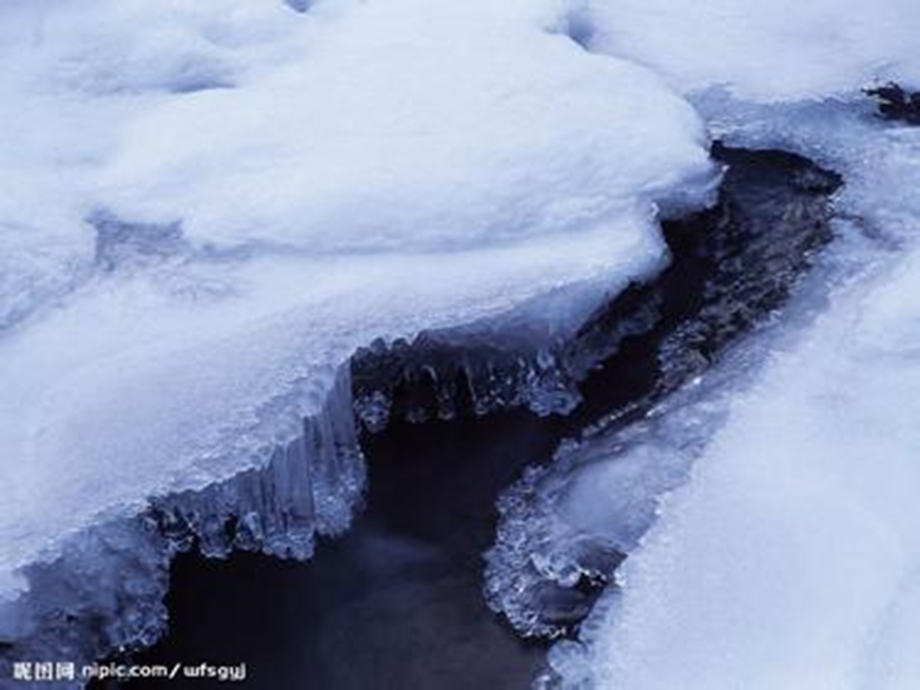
791,556
773,51
273,189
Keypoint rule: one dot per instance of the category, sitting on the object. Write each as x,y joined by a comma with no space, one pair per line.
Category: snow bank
210,207
790,559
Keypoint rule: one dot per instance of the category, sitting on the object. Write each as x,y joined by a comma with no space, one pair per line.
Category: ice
448,373
790,551
210,207
309,487
565,527
104,592
789,557
104,588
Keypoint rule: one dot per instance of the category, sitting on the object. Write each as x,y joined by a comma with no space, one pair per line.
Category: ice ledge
104,593
732,267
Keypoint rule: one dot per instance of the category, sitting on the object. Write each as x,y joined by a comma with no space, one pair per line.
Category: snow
762,51
402,149
794,546
778,51
211,206
789,558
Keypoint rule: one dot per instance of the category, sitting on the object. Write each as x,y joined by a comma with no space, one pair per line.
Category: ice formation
210,207
565,527
787,558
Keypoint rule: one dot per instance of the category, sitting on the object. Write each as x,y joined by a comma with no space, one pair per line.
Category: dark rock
896,103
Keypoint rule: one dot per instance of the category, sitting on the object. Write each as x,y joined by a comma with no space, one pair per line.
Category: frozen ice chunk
310,485
565,528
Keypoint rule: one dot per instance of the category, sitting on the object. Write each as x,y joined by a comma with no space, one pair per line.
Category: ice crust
210,207
103,591
565,527
310,486
788,557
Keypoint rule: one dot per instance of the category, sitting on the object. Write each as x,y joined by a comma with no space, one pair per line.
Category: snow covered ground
789,558
208,207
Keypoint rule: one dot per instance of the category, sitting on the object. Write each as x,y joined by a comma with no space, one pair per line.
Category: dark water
395,603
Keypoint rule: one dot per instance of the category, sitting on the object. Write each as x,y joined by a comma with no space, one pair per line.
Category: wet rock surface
897,103
731,266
